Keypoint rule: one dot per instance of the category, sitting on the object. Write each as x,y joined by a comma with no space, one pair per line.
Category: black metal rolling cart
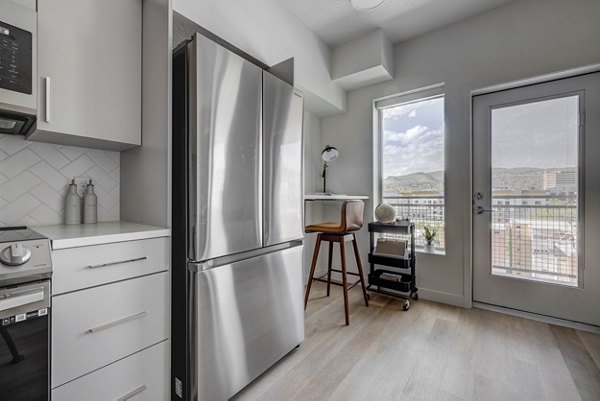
400,280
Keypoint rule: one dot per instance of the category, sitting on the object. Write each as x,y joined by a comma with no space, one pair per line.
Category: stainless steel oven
24,342
25,270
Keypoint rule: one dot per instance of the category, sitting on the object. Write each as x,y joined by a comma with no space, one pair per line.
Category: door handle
481,210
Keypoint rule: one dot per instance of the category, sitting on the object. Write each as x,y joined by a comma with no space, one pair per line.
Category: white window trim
379,104
410,96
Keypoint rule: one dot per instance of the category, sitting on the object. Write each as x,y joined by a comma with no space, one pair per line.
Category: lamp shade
329,153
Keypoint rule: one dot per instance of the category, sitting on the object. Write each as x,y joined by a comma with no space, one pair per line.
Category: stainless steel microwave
18,89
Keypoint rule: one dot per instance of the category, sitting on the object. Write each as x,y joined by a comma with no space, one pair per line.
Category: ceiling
336,22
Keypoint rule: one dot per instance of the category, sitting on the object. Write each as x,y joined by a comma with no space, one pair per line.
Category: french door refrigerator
237,221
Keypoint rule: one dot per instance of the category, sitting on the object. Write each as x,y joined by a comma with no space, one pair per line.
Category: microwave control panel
16,59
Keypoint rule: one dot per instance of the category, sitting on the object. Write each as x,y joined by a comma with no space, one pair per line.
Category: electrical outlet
82,182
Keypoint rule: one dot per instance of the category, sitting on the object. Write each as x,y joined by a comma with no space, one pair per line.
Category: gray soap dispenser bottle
72,205
90,205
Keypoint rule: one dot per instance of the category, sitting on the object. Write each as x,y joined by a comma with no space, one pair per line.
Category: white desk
333,197
321,197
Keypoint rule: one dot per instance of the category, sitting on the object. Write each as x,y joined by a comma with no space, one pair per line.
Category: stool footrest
339,271
335,282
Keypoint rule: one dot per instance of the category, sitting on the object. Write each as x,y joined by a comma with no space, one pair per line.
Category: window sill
436,251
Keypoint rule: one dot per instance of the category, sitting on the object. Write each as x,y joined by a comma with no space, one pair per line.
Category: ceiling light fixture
366,5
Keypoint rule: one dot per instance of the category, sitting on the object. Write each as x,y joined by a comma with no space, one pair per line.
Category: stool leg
360,270
344,279
312,269
329,266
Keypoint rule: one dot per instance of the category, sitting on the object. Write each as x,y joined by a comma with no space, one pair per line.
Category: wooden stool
342,232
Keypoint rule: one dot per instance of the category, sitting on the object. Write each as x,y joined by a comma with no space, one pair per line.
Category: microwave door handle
47,113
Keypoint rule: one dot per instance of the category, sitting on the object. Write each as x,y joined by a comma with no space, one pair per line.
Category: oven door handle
16,300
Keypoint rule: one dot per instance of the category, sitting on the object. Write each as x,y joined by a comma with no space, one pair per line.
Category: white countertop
63,236
333,197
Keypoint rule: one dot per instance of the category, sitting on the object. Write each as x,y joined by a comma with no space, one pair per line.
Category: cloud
413,142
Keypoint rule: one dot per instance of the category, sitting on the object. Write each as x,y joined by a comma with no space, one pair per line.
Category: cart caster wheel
406,305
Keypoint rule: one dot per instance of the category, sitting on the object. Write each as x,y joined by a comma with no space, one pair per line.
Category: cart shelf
403,284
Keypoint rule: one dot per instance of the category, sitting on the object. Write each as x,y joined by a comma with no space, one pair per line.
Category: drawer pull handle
116,322
116,263
133,393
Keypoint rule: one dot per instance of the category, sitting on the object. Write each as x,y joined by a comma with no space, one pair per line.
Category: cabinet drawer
141,377
89,266
96,327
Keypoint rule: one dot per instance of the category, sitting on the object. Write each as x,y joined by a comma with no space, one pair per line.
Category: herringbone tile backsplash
34,178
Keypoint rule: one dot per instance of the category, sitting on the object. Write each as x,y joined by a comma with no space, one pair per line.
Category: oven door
24,342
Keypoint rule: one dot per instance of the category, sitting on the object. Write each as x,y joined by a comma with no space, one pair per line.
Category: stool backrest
352,215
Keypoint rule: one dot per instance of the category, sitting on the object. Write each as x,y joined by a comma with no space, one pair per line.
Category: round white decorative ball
384,213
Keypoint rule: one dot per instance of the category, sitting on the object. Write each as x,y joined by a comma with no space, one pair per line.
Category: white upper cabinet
90,73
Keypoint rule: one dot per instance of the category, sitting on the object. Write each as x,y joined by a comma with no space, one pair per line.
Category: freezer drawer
282,154
248,315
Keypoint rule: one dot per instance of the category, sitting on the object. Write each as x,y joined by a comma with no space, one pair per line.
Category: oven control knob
15,255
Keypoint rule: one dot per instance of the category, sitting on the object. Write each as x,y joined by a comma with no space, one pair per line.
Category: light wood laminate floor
432,352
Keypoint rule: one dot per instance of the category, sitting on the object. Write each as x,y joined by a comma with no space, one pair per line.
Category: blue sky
413,138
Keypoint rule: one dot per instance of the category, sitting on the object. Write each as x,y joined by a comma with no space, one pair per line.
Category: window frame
398,99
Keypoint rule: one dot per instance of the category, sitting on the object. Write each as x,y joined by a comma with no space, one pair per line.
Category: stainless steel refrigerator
237,284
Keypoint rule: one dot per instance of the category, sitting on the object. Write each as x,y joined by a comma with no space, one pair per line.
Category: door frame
539,79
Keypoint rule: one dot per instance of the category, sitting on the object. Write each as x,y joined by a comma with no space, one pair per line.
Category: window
410,157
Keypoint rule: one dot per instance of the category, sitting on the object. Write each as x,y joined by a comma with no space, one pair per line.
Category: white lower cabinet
90,266
98,326
141,377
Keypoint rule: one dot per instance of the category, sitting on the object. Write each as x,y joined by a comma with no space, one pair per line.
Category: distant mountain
524,178
416,182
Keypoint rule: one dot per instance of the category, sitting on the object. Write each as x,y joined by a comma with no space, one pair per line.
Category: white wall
522,39
312,180
268,31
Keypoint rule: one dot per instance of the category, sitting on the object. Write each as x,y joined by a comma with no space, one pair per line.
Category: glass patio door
536,199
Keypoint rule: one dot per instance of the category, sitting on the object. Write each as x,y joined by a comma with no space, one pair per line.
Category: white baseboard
538,318
430,295
442,297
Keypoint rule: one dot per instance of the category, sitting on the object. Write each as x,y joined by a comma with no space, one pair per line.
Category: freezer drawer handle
15,300
116,322
116,263
133,393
